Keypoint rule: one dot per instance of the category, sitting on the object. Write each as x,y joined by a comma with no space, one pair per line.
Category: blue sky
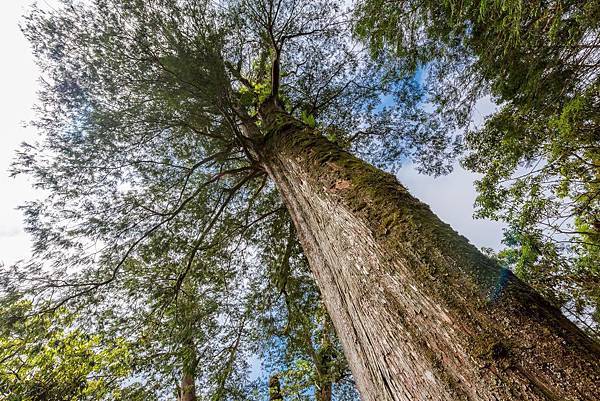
450,197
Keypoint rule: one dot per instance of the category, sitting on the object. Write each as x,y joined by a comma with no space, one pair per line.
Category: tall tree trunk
420,312
187,390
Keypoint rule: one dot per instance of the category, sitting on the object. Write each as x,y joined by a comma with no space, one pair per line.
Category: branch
207,229
237,74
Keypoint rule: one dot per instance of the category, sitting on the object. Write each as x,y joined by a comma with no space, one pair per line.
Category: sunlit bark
421,313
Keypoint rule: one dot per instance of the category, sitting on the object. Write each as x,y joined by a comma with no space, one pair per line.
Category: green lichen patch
394,215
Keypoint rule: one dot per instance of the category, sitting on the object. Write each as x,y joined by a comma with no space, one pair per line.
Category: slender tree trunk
421,313
324,392
187,391
323,365
275,389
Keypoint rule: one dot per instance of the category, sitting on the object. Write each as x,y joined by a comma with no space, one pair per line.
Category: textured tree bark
421,313
187,391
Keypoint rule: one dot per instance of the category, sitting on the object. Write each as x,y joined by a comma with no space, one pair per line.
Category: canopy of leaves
49,358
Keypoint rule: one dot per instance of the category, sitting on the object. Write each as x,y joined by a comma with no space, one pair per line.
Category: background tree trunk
324,392
275,389
421,313
323,365
187,391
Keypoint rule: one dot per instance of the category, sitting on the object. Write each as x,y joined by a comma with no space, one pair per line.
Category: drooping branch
198,243
233,350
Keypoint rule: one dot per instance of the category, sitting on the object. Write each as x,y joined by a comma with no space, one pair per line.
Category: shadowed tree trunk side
420,312
275,389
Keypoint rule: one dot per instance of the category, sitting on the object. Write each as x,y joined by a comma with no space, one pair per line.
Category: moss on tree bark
421,313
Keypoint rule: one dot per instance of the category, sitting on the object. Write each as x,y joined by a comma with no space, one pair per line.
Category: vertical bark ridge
421,313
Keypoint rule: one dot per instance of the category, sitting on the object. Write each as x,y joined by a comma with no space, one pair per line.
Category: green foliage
308,119
541,176
47,357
